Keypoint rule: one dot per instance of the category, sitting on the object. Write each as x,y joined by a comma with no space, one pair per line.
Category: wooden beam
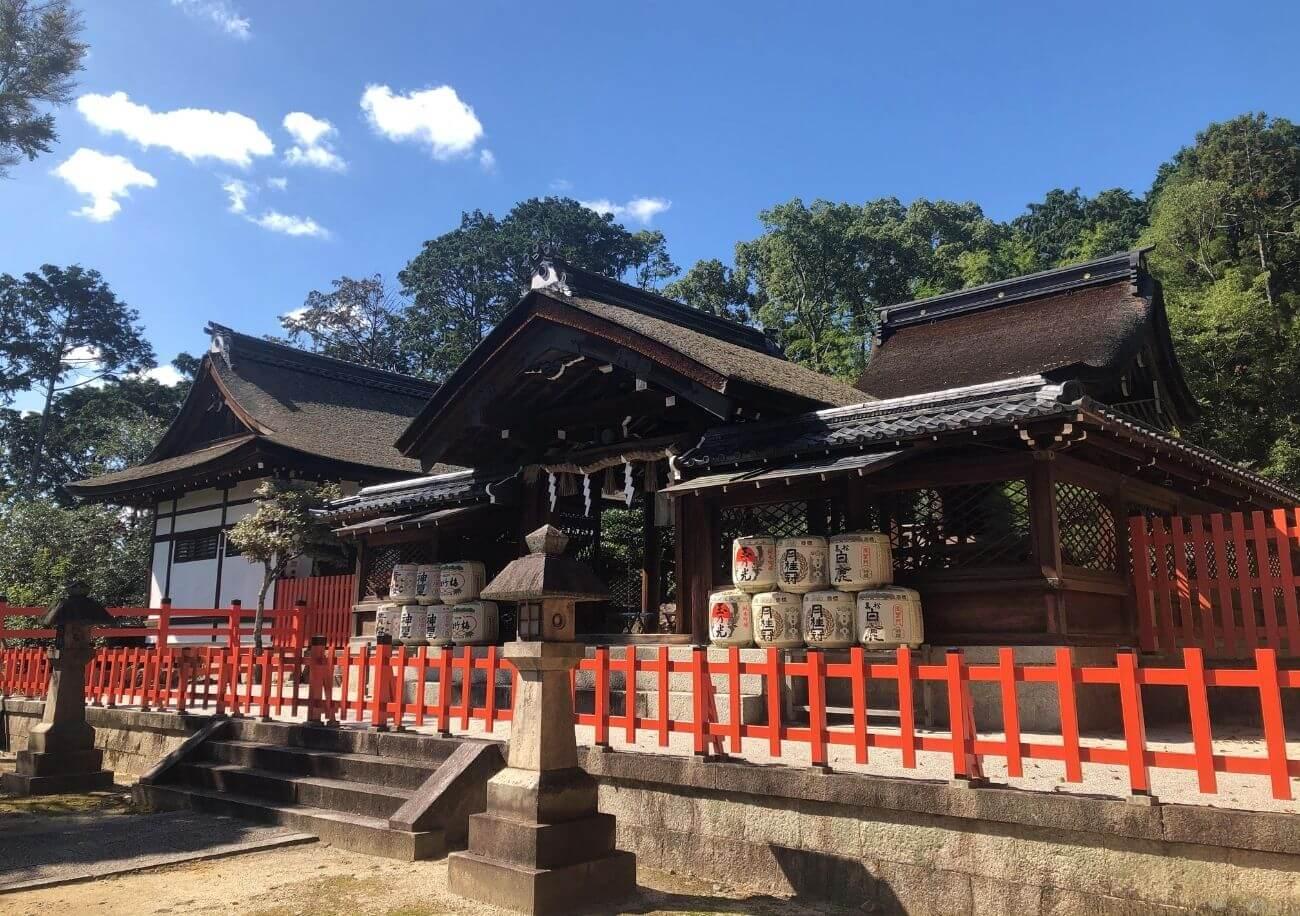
650,597
694,521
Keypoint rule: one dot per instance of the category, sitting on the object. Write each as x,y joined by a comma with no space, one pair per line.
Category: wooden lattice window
381,559
201,545
1089,539
961,526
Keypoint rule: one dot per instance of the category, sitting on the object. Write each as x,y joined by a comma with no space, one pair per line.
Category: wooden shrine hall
1000,435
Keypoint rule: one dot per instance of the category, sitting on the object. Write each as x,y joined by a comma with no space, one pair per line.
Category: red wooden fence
1223,583
366,685
328,597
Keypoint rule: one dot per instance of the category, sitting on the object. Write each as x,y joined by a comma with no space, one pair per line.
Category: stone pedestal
61,755
542,847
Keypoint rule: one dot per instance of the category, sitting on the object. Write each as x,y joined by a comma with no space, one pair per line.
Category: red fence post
1069,714
1010,709
1135,732
858,674
379,684
601,704
232,631
1270,702
775,692
816,663
1198,704
906,709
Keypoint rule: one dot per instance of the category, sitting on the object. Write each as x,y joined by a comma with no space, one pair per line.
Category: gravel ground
322,880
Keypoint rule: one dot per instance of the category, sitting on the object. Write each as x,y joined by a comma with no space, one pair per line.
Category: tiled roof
418,494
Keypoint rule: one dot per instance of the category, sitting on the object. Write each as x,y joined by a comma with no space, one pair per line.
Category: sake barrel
460,582
776,620
730,618
801,564
437,624
753,564
426,583
890,617
387,618
860,559
412,625
474,623
829,620
401,584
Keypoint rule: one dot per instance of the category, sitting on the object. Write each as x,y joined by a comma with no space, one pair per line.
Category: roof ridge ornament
548,269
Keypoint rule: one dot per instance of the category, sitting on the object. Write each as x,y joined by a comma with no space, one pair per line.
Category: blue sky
713,110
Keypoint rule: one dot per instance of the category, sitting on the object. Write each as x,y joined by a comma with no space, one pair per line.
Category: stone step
354,832
421,750
368,799
302,761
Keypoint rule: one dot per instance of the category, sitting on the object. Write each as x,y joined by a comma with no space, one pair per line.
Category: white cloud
195,133
436,117
277,183
103,179
641,209
166,375
219,13
561,184
312,146
488,160
238,192
276,221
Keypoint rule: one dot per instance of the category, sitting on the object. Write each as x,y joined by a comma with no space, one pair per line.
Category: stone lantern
61,755
542,846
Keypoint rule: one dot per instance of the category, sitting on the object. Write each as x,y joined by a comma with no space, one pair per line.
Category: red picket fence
1224,583
287,627
367,685
330,601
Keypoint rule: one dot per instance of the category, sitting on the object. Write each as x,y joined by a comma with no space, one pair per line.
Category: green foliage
1223,223
39,55
360,320
464,281
44,547
1066,227
284,526
712,287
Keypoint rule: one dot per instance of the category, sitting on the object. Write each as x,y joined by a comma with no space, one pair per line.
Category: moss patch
110,803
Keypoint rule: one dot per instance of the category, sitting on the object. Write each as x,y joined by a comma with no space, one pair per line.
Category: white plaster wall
192,521
158,575
193,584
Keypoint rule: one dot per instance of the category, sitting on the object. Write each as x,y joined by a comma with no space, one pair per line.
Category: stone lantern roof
546,573
78,608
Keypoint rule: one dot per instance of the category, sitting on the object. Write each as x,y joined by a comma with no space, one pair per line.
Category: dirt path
320,880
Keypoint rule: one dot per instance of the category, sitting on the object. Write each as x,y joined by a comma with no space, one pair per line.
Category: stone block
541,845
547,797
830,828
60,763
921,891
775,823
1004,898
542,891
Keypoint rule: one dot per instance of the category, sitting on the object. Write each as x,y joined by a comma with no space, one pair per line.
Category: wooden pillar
1045,532
534,503
694,540
650,597
856,511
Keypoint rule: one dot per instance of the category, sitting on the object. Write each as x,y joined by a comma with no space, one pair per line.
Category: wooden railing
369,686
330,600
1224,583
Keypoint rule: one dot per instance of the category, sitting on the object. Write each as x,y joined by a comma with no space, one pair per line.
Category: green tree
1223,223
712,287
282,528
359,320
1067,227
465,280
39,55
77,332
44,547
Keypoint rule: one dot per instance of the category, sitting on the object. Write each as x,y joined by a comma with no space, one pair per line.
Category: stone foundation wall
896,846
132,741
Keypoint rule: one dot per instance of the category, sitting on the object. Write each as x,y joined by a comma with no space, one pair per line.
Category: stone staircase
396,795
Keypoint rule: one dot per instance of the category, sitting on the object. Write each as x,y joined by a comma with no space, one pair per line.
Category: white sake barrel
426,583
401,585
412,625
829,620
801,564
387,618
776,620
460,582
753,564
437,624
730,618
474,623
860,559
890,617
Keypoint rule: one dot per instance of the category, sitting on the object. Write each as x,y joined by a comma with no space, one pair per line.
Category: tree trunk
267,579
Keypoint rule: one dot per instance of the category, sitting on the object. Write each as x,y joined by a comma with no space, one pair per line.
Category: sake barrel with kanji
426,583
776,620
829,619
801,564
730,620
387,619
401,584
437,624
474,623
860,559
412,625
753,564
460,582
890,617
